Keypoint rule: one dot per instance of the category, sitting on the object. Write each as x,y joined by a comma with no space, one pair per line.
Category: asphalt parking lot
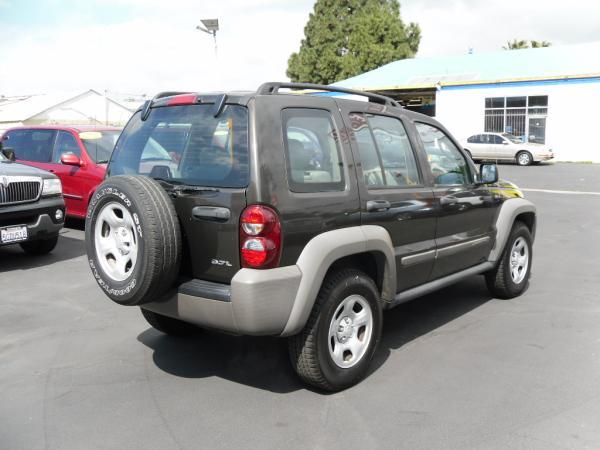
456,369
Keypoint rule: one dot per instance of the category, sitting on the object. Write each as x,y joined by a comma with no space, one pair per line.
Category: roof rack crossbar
273,88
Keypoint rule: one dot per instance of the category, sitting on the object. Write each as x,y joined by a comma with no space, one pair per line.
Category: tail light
260,237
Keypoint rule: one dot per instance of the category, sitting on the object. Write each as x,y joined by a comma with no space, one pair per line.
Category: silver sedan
506,147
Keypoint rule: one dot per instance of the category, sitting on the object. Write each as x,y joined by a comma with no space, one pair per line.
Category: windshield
99,144
512,138
186,145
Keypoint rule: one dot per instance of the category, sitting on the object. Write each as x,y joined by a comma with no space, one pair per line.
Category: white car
506,147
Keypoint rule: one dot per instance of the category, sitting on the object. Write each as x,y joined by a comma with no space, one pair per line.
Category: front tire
40,247
524,158
511,277
336,346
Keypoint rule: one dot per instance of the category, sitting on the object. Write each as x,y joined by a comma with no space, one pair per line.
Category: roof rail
273,88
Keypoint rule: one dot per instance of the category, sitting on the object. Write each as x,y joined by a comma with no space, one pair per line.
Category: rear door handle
378,205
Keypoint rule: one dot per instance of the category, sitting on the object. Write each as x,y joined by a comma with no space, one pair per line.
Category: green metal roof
556,62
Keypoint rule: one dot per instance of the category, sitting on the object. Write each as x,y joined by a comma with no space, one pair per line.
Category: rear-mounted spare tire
133,240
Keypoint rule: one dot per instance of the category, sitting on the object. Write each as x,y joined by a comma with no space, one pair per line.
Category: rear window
186,144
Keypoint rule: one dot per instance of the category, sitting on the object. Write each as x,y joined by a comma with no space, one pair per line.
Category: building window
524,117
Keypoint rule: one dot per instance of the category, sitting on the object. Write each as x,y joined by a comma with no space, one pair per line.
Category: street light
211,26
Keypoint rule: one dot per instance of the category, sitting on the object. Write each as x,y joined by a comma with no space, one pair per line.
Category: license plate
13,234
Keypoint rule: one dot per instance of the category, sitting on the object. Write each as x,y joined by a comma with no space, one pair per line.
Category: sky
146,46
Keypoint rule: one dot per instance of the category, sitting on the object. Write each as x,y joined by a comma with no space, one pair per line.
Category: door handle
378,205
448,200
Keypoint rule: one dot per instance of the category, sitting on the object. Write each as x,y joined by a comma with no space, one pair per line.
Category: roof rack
273,88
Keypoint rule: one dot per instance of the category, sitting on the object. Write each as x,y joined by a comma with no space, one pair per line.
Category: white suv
507,147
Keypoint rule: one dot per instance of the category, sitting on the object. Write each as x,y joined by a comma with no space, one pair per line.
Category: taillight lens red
185,99
260,237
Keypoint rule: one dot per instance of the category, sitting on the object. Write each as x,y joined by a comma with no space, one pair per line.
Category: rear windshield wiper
187,188
178,187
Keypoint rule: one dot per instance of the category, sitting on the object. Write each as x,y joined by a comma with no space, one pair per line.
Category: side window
497,139
448,165
32,145
472,140
312,151
65,143
397,156
386,156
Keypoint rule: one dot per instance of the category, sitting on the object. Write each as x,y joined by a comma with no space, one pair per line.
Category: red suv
77,154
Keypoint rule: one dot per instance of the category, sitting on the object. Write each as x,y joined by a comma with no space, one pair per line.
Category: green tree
538,44
517,44
344,38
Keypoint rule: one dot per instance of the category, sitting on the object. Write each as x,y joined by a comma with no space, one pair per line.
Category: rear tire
168,325
336,346
511,276
133,239
524,158
40,247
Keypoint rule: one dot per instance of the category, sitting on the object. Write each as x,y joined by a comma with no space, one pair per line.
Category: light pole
211,26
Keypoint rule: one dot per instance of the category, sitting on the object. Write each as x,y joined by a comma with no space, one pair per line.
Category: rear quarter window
314,162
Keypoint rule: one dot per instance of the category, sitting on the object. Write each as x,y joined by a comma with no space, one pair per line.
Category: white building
87,108
547,95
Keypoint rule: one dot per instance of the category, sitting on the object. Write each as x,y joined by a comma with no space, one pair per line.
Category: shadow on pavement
262,362
12,257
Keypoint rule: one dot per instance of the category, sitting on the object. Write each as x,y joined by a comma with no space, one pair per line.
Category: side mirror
9,153
70,159
488,173
505,142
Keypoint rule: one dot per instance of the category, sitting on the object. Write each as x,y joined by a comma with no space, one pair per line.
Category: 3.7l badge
220,262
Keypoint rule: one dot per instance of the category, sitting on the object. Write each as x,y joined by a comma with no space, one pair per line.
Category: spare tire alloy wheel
133,240
116,241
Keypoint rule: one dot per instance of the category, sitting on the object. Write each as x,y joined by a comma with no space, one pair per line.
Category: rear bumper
258,302
39,217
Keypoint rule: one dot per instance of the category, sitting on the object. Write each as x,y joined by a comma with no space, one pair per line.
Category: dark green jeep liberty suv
300,215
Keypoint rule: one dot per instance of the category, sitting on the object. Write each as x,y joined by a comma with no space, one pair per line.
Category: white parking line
549,191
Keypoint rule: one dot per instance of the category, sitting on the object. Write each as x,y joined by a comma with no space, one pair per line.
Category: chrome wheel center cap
123,237
345,329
